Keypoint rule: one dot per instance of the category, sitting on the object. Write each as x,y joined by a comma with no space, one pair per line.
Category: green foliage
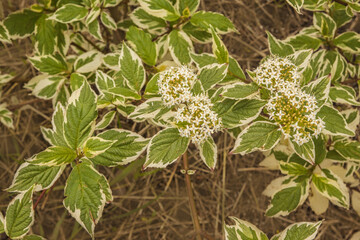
82,70
246,231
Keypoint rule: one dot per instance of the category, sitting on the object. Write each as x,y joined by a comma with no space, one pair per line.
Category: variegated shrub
295,106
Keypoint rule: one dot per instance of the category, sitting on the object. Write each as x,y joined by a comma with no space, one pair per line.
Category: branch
194,214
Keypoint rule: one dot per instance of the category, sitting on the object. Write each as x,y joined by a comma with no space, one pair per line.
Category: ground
154,204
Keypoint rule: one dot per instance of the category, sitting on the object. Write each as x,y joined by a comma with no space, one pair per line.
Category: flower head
175,85
196,120
296,115
277,73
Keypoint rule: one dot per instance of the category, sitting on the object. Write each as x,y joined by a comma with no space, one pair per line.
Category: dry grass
154,204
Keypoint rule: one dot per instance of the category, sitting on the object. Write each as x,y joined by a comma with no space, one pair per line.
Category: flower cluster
196,120
277,73
295,112
175,85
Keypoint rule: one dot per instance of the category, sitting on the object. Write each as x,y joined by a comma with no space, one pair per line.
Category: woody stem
194,214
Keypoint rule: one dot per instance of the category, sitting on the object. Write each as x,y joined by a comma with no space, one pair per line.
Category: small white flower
175,85
277,73
197,121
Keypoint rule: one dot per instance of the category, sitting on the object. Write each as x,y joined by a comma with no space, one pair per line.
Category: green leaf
300,231
142,44
6,116
301,59
54,156
192,5
147,21
92,15
21,24
240,91
288,194
41,177
103,81
123,92
106,120
45,35
208,152
325,24
180,47
160,8
88,62
332,187
33,237
348,149
126,148
219,22
86,192
343,94
305,151
212,74
335,124
219,49
197,34
112,61
292,168
201,60
349,42
320,89
108,21
320,148
4,34
94,146
147,110
257,136
235,69
165,147
279,48
47,88
19,215
94,29
76,81
304,41
243,230
62,38
56,136
111,3
51,64
152,88
132,69
296,4
243,112
80,116
70,13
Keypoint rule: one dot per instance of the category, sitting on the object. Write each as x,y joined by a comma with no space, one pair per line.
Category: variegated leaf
165,147
42,177
127,147
86,192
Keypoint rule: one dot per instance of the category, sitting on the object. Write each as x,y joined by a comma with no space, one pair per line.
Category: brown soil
154,204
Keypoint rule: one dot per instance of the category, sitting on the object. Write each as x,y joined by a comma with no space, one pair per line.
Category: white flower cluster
277,73
175,85
294,110
196,120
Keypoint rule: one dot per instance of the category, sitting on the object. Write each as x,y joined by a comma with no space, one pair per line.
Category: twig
223,181
194,214
90,42
78,47
39,198
341,2
16,106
